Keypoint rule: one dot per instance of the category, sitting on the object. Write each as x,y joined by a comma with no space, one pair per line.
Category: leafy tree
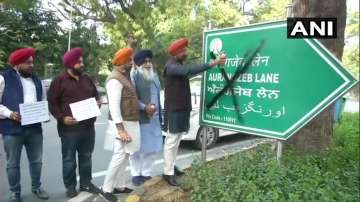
351,50
351,59
27,24
352,28
96,55
29,28
155,24
270,10
19,4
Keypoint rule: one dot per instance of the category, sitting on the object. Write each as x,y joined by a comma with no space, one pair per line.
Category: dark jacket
12,97
177,94
64,90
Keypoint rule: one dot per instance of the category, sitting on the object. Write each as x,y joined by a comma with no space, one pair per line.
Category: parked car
46,83
102,94
196,131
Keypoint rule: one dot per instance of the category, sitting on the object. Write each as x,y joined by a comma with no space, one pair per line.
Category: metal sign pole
289,10
69,40
204,136
203,146
279,151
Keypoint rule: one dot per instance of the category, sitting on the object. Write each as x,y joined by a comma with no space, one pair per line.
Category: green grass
255,175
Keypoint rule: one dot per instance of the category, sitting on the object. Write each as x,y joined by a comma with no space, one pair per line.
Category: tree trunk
317,134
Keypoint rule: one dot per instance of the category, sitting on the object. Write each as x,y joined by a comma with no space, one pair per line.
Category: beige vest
129,102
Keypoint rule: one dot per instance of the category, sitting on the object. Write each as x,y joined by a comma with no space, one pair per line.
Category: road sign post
203,139
279,148
287,84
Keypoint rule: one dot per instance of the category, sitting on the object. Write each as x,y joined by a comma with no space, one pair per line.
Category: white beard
147,73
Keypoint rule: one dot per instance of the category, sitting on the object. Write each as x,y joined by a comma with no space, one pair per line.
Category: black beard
128,67
77,72
24,74
182,59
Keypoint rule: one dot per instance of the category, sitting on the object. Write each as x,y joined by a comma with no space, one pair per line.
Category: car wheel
212,135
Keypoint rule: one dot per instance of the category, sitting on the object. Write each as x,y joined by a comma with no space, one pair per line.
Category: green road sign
287,82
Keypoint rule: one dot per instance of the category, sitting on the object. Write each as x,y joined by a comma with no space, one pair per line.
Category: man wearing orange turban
178,102
123,56
123,132
20,85
68,87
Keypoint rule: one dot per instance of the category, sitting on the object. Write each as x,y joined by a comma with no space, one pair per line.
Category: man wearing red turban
21,55
71,86
20,85
178,46
178,102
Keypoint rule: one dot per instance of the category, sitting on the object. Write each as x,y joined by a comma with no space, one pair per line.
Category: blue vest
12,97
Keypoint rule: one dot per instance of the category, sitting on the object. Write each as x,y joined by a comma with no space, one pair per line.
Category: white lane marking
81,197
100,123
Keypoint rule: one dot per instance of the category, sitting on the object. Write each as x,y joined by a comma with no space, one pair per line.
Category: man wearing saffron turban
20,85
178,102
123,132
71,86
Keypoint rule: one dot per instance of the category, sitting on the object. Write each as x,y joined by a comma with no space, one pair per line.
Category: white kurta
114,176
113,89
132,128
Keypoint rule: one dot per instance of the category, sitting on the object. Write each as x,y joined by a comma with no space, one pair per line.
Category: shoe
137,180
71,193
41,194
145,178
171,180
90,188
178,172
124,190
15,197
108,196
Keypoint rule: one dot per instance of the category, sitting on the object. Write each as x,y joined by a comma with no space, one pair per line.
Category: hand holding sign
238,72
85,109
31,113
218,61
15,116
68,120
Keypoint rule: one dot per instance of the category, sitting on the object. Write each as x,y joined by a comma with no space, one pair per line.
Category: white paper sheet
85,109
34,112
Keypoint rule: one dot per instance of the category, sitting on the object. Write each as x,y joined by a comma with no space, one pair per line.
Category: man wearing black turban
148,91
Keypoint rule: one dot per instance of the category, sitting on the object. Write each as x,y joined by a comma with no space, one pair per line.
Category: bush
256,176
